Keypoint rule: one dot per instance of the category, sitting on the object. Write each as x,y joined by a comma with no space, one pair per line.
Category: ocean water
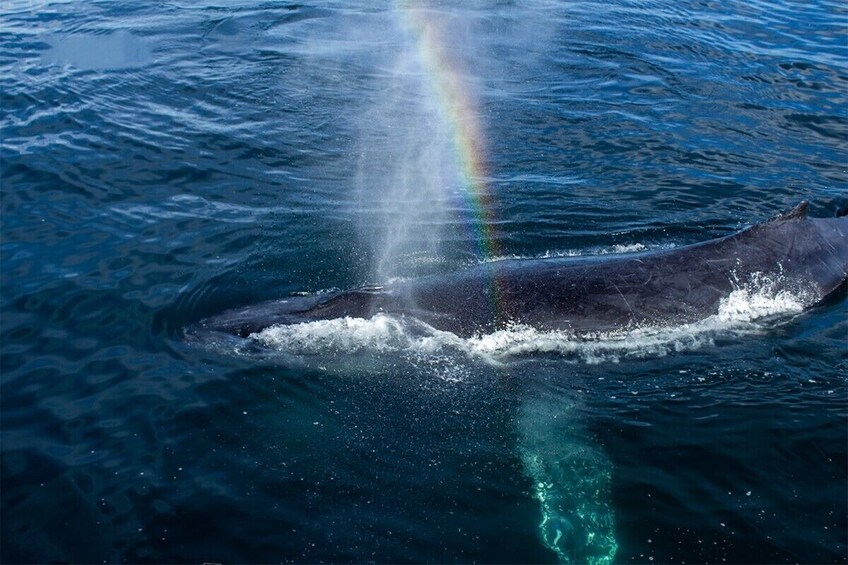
163,162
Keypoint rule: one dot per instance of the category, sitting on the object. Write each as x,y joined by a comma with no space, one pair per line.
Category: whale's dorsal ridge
799,212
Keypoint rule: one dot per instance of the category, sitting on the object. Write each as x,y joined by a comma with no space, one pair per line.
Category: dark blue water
162,162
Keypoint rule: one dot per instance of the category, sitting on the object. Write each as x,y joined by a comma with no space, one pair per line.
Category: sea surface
165,161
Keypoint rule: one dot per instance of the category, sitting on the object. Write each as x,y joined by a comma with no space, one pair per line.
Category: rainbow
459,111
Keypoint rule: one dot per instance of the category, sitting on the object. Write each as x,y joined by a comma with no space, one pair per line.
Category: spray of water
422,178
407,175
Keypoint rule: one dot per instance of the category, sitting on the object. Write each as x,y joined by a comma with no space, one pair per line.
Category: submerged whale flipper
791,252
571,478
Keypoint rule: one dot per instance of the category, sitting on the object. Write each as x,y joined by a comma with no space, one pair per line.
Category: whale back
791,252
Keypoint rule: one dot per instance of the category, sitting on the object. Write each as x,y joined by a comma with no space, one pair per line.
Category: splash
742,311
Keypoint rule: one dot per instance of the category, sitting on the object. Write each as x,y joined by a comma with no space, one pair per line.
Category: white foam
764,296
618,249
741,312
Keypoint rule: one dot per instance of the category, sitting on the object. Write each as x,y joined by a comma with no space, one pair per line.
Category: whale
791,252
570,476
